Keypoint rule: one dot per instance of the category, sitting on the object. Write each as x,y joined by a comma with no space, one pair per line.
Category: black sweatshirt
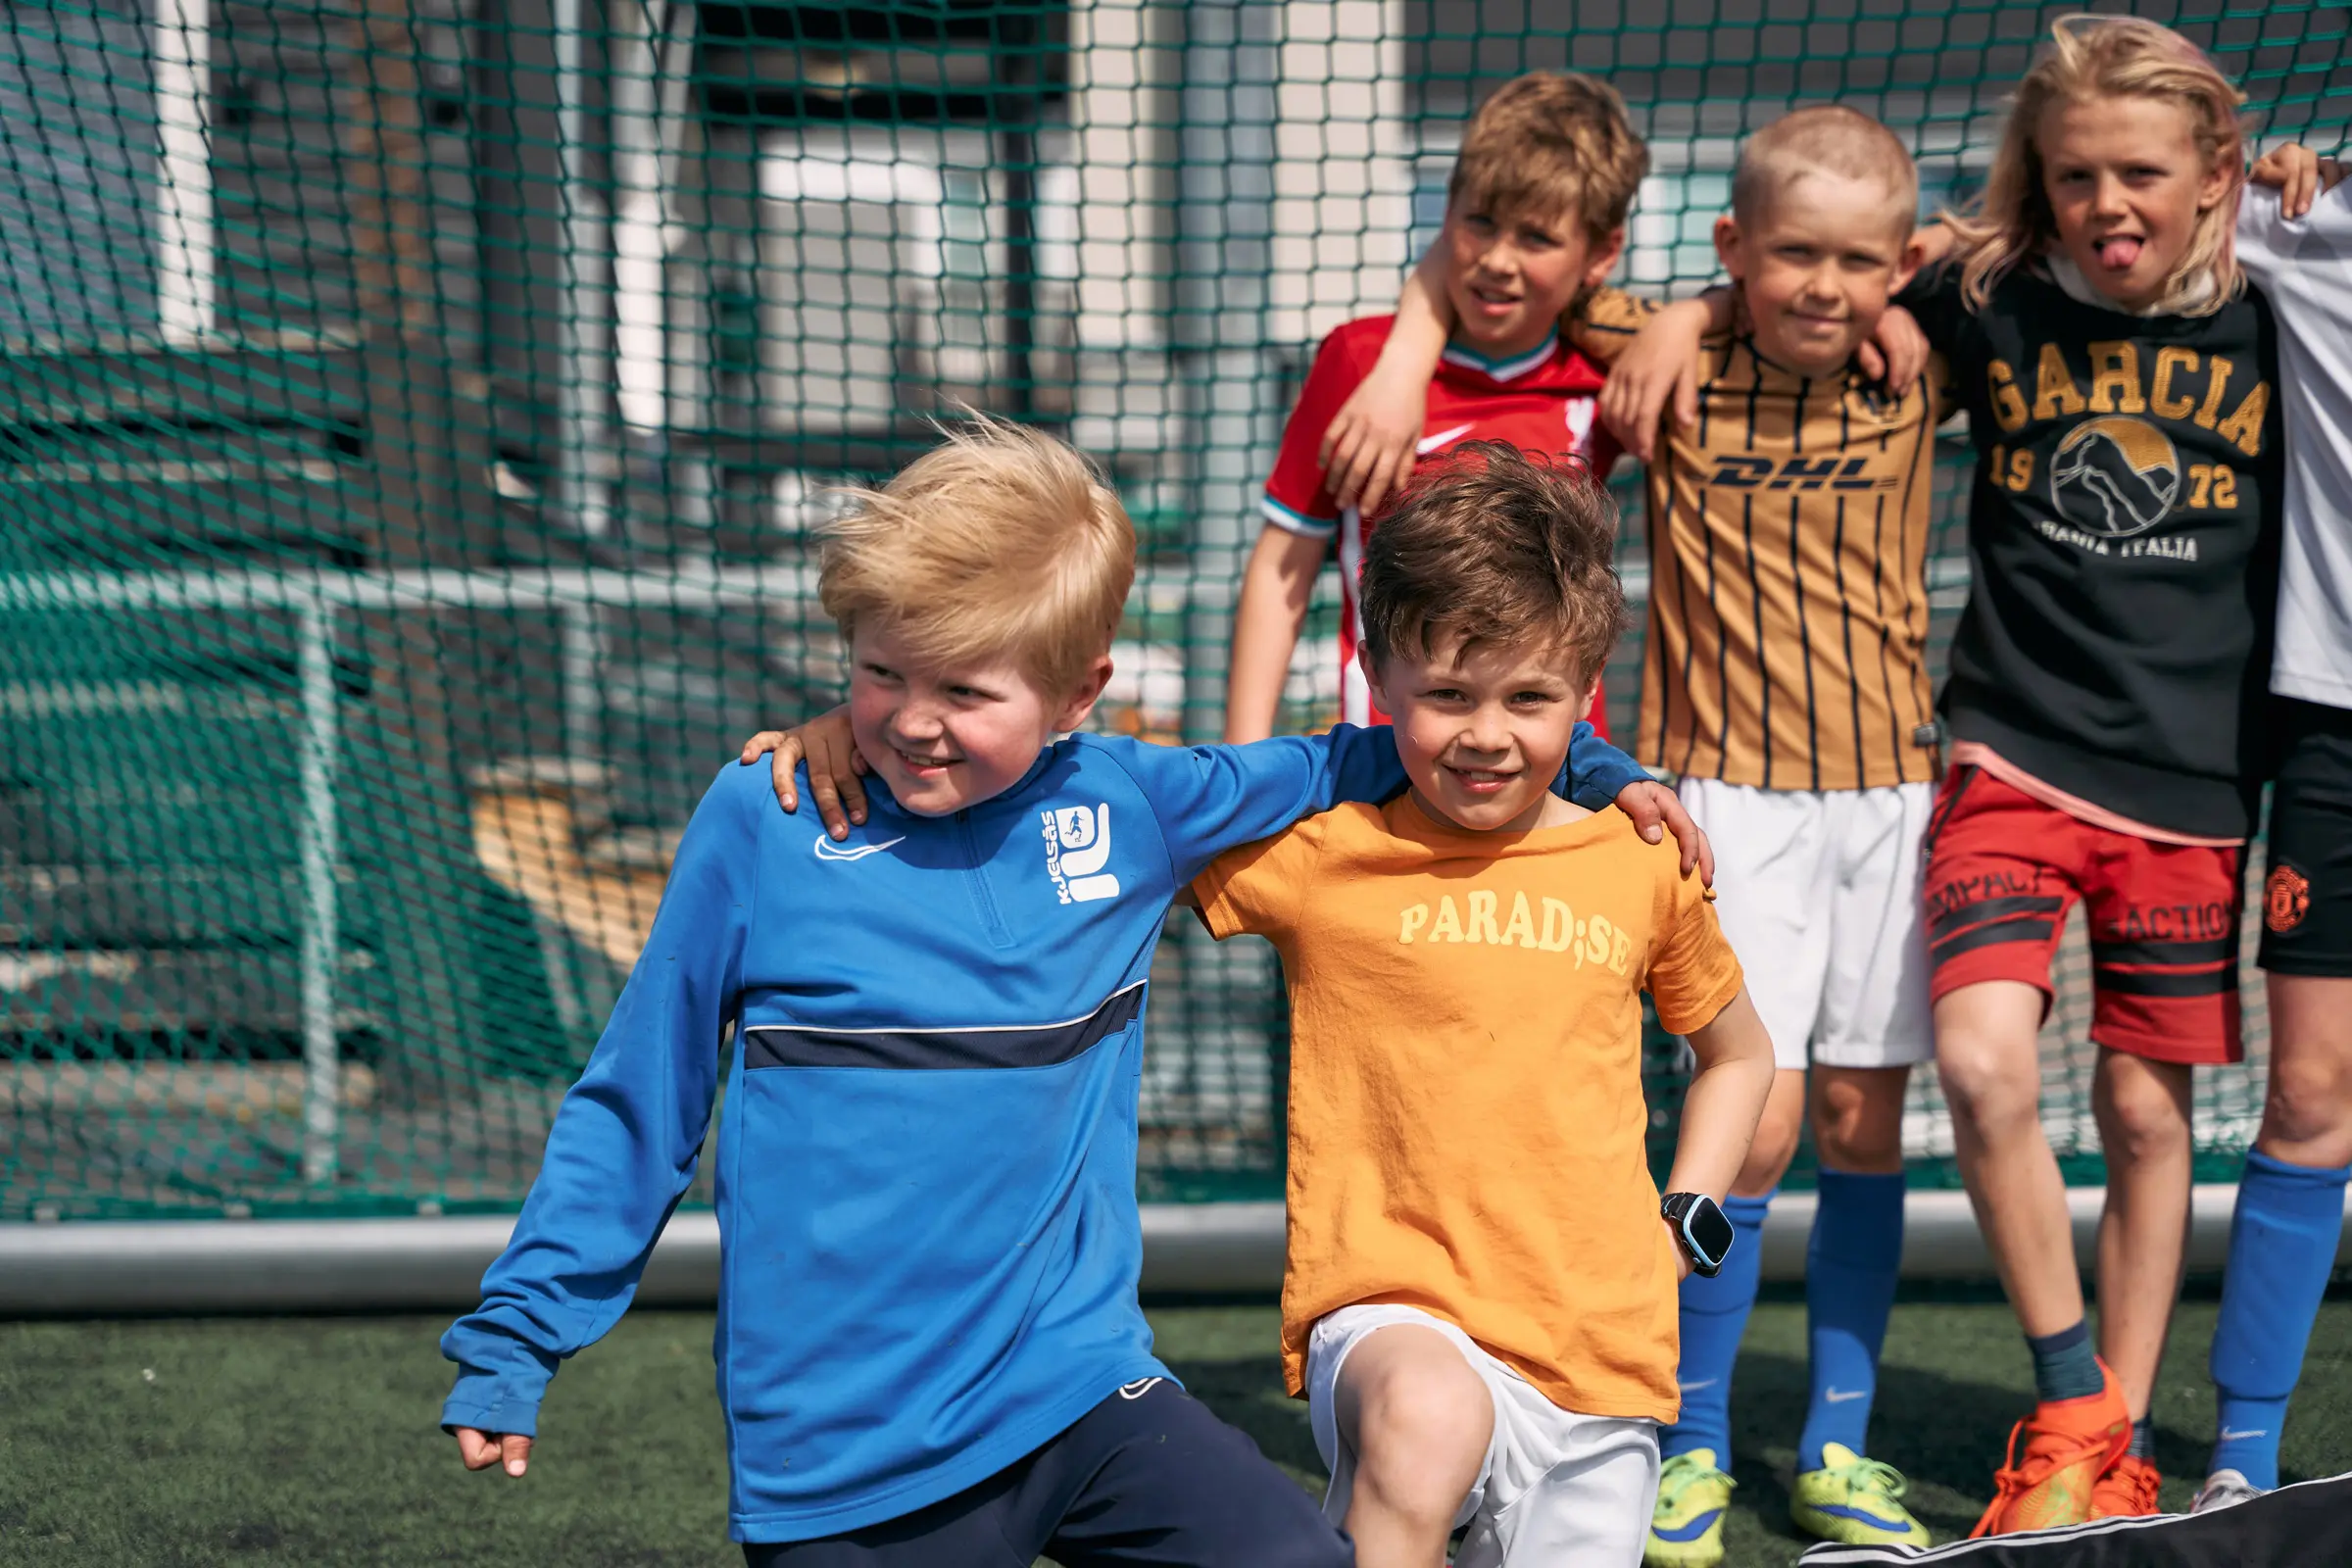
2123,540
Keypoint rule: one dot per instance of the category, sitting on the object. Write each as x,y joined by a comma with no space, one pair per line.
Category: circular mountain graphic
2115,477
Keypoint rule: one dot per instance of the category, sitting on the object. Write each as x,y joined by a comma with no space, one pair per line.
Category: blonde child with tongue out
2106,700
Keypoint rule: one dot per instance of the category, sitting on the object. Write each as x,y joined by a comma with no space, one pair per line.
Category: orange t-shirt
1466,1116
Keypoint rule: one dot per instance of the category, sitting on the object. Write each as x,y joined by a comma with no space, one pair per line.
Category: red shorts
2002,871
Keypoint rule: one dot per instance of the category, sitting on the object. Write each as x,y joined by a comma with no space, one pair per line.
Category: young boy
929,1344
2290,1201
1784,681
1535,217
1478,1301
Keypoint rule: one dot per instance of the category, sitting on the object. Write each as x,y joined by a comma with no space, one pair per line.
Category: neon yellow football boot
1854,1500
1686,1530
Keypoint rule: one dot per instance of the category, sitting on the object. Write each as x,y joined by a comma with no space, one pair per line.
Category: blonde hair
1553,142
999,542
2109,57
1829,139
1497,545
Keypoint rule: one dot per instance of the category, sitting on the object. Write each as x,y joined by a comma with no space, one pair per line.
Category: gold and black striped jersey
1787,555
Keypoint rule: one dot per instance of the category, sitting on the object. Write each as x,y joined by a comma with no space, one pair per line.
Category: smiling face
944,739
1817,264
1509,275
2125,185
1482,735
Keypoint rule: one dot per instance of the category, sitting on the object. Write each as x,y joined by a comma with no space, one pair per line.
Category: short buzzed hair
1555,144
1496,546
1829,139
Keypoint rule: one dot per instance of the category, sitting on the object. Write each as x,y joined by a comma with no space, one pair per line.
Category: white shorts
1557,1488
1818,892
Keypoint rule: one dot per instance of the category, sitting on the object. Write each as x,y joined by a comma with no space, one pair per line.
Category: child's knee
1423,1421
1858,1118
2309,1101
1985,1085
2142,1110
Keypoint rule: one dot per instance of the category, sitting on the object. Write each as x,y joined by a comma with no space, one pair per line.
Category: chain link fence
414,415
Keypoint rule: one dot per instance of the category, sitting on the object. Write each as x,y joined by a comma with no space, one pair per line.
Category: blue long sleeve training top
930,1242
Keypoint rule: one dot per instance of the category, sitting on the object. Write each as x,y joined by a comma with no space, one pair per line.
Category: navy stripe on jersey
767,1046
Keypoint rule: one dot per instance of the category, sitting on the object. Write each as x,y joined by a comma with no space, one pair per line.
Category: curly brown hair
1496,546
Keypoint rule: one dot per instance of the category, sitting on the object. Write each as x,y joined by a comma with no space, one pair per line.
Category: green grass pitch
310,1440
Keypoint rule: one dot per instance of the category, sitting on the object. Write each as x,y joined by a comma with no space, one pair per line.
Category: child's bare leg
1774,1144
1858,1118
1989,1057
2142,1111
1418,1419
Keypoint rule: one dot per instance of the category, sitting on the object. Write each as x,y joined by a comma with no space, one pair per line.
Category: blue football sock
2281,1248
1714,1317
2143,1439
2065,1366
1851,1266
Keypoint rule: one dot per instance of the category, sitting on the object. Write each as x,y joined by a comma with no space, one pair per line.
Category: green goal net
415,417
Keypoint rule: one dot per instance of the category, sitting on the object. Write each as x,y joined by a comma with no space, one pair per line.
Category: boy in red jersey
1535,217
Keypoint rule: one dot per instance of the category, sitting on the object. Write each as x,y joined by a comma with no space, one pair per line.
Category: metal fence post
322,945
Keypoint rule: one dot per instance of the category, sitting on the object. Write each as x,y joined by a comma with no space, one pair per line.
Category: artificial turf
312,1441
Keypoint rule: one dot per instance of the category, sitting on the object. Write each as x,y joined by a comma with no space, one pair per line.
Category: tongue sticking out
2119,251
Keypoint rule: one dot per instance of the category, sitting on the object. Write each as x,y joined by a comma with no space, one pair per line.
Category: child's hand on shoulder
835,768
1896,352
2298,174
1658,809
482,1450
1657,371
1369,447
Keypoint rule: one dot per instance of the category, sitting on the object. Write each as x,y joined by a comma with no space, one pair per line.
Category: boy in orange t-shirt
1480,1294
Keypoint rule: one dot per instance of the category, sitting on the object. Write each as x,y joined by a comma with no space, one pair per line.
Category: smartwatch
1699,1226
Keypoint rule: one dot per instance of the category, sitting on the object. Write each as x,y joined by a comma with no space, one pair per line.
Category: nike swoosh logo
827,850
1702,1382
1138,1389
1430,443
1842,1395
2229,1436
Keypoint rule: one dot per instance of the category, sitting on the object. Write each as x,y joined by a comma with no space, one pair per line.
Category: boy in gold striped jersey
1784,681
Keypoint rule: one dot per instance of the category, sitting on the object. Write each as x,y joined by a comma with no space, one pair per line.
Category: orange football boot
2128,1491
2056,1458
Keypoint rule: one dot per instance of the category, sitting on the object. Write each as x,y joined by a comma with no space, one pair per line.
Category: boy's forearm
1416,340
1725,1100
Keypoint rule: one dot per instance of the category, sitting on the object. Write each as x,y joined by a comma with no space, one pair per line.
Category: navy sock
2065,1366
1851,1266
1714,1317
2143,1439
2282,1244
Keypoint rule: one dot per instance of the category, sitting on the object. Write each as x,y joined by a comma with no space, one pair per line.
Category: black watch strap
1694,1217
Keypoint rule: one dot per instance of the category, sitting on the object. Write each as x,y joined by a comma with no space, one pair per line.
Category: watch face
1708,1230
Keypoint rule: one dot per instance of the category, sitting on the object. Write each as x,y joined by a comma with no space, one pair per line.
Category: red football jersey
1541,401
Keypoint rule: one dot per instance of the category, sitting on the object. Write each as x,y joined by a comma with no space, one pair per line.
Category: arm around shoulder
1207,800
